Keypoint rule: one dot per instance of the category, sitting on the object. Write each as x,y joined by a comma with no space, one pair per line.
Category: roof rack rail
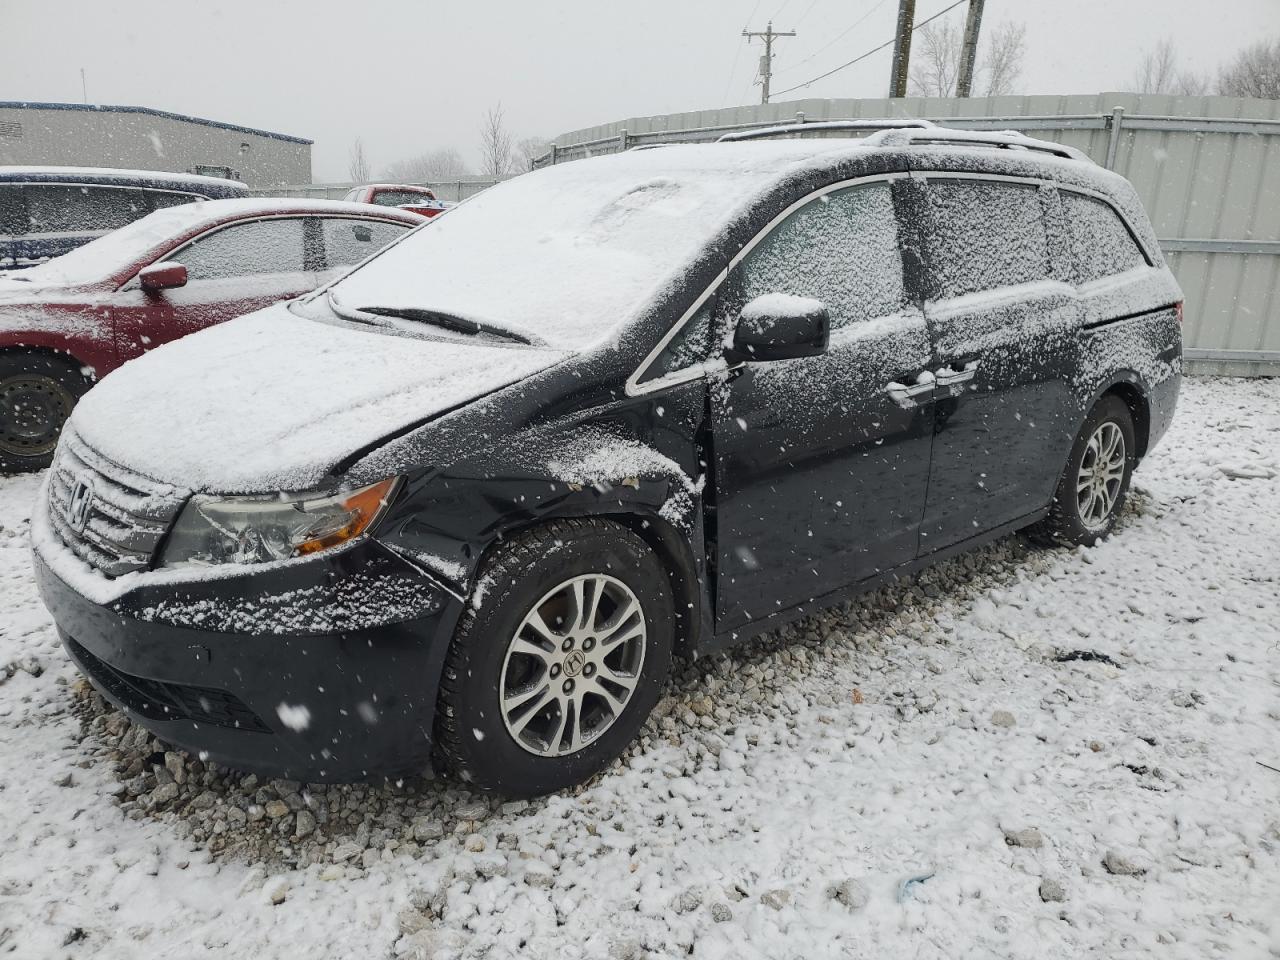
800,127
999,140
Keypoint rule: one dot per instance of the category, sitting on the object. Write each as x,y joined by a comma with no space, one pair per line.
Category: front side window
348,241
58,208
1101,245
245,249
841,248
983,234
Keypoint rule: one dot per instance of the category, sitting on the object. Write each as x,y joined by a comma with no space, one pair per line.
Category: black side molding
1128,316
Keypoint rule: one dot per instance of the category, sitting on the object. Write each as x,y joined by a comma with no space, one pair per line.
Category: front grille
112,518
156,700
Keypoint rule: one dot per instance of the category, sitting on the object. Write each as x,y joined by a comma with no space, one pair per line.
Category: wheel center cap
574,663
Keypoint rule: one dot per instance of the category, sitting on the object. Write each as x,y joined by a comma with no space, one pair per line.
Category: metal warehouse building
140,138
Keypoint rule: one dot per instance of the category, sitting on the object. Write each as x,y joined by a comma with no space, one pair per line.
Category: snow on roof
101,259
569,253
16,171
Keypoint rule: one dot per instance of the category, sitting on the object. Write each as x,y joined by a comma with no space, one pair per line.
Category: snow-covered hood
272,401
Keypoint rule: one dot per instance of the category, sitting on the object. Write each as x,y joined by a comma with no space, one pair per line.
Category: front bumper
319,671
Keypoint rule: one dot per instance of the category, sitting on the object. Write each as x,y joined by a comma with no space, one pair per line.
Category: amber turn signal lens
365,506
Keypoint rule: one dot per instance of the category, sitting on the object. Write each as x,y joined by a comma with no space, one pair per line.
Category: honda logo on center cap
81,506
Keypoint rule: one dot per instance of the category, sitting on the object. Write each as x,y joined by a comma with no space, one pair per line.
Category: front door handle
905,396
947,377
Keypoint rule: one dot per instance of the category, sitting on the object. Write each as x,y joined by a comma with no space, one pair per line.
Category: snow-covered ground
1070,746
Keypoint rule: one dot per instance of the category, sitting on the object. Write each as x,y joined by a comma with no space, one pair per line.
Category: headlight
260,529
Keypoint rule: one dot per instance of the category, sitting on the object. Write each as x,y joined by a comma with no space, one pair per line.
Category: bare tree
935,60
1001,65
530,149
1158,72
444,164
495,143
1255,72
358,163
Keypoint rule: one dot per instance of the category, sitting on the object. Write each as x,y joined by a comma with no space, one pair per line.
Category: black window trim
637,385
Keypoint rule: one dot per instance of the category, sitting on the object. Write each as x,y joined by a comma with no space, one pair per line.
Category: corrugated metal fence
1207,169
444,189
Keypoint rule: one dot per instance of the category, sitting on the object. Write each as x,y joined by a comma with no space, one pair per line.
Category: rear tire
554,669
1094,484
37,394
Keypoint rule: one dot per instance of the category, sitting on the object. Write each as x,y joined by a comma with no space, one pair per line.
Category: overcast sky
414,75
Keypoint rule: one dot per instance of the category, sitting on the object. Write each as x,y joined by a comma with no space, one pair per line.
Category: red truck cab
420,200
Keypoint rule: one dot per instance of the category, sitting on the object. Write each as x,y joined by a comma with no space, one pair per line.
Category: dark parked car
474,496
73,320
48,211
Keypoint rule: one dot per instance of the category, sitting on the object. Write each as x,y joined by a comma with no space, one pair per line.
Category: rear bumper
315,685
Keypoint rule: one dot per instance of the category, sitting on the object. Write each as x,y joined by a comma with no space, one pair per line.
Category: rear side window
167,198
244,250
841,248
13,211
1101,245
347,241
393,198
983,234
54,208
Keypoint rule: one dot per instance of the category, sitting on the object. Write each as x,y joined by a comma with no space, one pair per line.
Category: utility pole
969,49
902,48
766,62
84,88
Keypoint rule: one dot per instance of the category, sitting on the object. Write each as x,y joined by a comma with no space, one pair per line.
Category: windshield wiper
435,318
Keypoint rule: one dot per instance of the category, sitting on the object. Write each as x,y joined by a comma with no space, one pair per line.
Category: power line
887,43
807,11
840,36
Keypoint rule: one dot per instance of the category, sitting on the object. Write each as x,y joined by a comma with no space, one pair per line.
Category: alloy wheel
572,665
1101,475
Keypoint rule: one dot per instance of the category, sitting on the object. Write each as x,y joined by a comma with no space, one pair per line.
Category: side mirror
779,326
163,276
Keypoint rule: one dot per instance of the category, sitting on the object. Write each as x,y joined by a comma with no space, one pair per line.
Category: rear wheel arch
1132,389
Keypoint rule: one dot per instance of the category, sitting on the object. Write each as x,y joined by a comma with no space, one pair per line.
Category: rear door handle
905,396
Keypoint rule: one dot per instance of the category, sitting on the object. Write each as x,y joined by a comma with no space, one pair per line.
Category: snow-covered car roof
16,172
101,259
569,254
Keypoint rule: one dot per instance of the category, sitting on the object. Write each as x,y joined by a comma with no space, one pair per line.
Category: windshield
567,254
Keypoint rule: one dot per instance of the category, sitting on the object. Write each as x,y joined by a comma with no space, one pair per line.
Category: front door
1003,323
231,271
821,463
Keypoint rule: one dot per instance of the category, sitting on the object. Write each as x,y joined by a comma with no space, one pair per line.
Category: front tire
1094,484
37,394
552,673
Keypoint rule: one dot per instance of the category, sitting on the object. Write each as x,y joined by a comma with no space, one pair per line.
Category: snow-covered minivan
468,501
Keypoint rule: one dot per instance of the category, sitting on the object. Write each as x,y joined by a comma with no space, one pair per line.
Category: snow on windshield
568,254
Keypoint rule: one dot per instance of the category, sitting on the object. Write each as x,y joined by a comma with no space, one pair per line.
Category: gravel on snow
1024,752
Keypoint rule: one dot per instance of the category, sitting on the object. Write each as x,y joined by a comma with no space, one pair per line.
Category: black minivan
468,501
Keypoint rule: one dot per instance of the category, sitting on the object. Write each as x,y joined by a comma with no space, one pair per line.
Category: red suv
71,321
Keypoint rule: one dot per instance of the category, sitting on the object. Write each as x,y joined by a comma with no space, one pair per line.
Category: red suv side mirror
163,276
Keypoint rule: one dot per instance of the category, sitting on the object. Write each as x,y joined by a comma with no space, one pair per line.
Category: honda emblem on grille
80,506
